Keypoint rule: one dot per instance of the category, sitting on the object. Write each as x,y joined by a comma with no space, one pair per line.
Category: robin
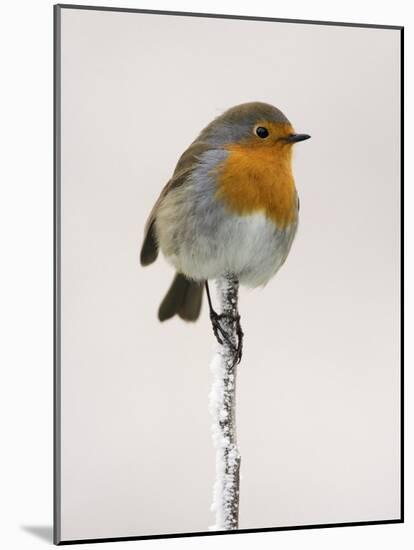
231,207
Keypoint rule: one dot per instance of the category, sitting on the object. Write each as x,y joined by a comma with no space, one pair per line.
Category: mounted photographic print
228,198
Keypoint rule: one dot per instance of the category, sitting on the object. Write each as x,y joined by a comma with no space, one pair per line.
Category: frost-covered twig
223,409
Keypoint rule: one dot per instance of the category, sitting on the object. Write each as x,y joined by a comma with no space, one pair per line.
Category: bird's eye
262,132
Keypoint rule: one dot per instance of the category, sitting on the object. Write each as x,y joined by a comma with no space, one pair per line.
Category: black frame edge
402,262
56,275
238,532
229,16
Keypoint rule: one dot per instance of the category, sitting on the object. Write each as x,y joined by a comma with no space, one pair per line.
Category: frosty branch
223,407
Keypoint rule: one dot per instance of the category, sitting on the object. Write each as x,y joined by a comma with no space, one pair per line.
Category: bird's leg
221,333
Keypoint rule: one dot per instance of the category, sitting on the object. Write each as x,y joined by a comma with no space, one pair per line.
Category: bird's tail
183,298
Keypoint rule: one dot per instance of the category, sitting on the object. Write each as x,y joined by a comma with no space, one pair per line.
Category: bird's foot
223,336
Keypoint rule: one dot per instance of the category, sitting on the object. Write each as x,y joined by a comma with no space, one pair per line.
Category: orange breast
257,178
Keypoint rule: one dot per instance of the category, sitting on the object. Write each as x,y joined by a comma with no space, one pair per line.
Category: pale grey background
318,396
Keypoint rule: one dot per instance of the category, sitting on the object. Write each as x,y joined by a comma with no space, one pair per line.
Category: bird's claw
222,336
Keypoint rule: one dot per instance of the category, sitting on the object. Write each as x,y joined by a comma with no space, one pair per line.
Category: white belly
251,247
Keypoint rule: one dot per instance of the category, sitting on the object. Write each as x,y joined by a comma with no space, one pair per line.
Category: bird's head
256,125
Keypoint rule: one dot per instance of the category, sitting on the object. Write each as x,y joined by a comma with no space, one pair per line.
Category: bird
230,207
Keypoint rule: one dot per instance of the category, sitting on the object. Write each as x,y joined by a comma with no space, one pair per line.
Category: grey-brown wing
149,249
186,163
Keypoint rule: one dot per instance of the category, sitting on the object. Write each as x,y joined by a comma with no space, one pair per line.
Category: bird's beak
294,138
